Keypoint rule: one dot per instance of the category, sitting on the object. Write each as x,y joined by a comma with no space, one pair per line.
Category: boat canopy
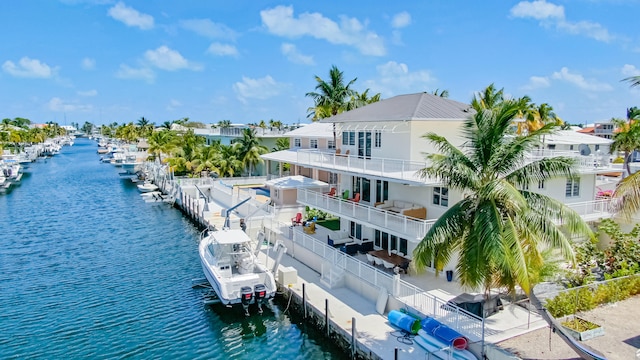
229,236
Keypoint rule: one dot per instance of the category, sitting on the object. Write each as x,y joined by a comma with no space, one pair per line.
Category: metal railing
430,305
406,226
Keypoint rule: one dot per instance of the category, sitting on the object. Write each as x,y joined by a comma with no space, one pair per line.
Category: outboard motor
247,296
261,294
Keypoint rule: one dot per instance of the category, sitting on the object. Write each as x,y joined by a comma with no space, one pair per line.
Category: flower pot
449,275
581,329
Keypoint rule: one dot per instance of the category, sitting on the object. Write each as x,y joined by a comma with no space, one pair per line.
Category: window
331,144
551,146
573,187
382,190
349,138
541,184
570,147
378,139
441,196
333,178
313,143
296,142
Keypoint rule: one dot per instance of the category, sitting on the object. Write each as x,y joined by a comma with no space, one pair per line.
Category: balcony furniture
345,195
387,265
402,268
338,238
390,258
366,246
403,207
310,229
377,260
356,198
394,251
371,259
296,220
350,248
332,192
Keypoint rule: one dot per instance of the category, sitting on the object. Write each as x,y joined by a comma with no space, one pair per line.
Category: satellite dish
584,149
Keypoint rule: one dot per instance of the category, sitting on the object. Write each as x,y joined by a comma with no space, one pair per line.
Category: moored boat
233,269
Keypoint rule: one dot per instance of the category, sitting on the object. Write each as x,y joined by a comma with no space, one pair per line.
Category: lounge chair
356,198
332,192
310,229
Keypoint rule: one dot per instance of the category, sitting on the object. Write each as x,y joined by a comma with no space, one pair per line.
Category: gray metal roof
420,106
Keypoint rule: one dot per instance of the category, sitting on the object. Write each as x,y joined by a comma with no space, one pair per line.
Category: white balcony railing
593,210
592,162
389,168
412,229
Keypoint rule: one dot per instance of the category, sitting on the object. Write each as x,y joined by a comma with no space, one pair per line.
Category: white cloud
28,68
168,59
401,20
394,78
537,82
88,63
88,93
292,54
262,89
551,14
579,81
630,70
350,31
222,49
538,10
208,28
126,72
130,16
173,104
58,105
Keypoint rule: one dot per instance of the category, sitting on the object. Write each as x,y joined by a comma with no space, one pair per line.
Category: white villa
377,150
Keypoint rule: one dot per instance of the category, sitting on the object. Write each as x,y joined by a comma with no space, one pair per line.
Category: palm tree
498,230
229,163
162,142
361,99
626,139
443,93
249,149
536,116
488,98
331,98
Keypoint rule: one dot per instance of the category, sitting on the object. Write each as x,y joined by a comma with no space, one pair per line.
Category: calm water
88,270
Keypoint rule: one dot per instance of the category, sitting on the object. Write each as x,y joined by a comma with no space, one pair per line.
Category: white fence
410,295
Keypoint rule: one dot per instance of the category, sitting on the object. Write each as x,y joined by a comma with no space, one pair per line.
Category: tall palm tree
536,116
162,142
443,93
331,98
229,164
498,230
626,139
249,149
361,99
488,98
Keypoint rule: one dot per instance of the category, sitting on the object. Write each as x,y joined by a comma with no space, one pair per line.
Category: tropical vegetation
499,230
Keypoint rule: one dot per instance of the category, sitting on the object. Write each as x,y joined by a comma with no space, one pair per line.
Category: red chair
356,198
297,220
332,192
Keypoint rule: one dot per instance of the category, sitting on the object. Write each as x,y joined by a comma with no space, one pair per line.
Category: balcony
395,169
407,227
594,163
593,210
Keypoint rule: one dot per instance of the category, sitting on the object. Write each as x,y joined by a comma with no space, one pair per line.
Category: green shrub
618,160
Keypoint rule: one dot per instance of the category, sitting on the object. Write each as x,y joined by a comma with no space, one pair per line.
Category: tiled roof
419,106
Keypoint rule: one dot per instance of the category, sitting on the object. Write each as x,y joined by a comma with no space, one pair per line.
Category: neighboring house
381,146
604,129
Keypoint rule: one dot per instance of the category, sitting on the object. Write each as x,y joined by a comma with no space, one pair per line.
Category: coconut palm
331,98
249,149
536,116
361,99
626,139
229,164
488,98
162,142
497,230
442,93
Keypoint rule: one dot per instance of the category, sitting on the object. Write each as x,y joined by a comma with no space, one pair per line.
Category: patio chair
332,192
356,198
387,264
345,195
371,259
378,261
297,220
394,251
310,229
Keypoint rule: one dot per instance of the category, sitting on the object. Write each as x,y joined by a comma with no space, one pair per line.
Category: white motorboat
233,269
147,187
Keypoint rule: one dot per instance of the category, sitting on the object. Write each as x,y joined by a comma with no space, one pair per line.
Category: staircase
332,276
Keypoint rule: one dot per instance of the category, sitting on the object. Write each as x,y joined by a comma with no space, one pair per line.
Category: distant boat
147,187
233,269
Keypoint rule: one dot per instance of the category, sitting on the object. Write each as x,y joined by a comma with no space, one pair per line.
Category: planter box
585,334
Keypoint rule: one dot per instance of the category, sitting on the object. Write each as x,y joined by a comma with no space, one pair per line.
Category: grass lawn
331,224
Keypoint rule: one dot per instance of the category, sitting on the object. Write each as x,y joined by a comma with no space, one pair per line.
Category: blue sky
245,61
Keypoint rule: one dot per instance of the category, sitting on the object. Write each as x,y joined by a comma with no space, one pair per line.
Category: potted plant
582,329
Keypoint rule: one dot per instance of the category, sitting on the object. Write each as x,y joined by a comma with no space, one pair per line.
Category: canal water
88,270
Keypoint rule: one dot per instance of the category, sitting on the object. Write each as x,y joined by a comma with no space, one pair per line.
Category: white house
378,151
